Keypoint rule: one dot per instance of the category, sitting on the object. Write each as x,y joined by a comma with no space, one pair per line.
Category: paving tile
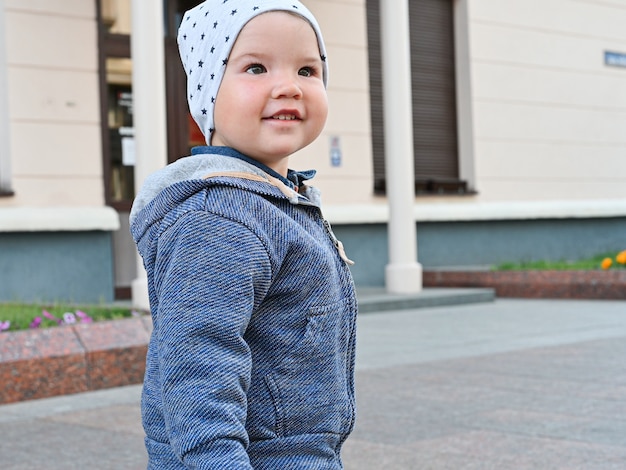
511,451
59,446
118,418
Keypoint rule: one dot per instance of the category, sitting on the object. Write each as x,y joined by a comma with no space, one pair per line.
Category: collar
294,180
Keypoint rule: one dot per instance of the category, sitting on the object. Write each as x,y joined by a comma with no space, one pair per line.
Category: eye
256,69
307,72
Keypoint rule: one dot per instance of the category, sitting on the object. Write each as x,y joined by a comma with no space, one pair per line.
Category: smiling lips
285,117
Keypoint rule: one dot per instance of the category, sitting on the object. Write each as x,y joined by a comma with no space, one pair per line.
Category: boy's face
272,101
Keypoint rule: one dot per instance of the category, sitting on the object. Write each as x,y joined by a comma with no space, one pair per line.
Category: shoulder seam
287,192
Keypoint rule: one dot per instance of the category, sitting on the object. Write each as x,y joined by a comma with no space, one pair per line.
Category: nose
286,86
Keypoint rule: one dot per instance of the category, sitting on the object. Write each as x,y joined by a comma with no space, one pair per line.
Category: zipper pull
342,253
338,244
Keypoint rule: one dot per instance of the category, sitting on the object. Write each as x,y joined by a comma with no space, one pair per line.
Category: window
435,142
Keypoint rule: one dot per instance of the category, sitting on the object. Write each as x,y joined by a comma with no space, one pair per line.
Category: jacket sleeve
210,272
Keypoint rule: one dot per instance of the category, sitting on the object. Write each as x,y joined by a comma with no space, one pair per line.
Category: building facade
519,112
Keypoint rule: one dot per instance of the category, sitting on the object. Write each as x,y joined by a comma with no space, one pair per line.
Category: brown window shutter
434,96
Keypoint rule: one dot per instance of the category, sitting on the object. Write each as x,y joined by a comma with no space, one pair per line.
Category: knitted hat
207,35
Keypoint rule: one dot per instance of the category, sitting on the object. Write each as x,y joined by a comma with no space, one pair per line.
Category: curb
593,285
377,300
72,359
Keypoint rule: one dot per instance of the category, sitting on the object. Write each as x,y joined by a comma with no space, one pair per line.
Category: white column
5,124
147,52
403,274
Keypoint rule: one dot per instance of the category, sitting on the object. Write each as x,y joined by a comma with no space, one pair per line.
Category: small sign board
128,145
335,151
615,59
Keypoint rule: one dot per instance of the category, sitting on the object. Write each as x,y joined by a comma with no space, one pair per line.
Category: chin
278,153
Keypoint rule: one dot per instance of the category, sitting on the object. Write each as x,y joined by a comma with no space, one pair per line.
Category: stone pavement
512,384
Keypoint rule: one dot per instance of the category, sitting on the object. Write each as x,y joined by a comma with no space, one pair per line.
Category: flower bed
620,261
18,316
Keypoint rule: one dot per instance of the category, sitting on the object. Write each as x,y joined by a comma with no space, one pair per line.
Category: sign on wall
335,151
614,59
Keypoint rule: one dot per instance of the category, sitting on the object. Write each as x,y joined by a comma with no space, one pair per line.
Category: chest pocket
312,389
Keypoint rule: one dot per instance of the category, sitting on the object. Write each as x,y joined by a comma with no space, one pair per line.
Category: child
250,364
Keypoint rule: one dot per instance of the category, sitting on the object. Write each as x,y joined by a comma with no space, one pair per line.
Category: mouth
285,117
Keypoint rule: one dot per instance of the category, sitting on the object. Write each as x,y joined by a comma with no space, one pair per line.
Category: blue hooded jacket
251,360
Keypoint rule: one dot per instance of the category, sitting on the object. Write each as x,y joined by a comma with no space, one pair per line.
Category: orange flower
621,257
606,263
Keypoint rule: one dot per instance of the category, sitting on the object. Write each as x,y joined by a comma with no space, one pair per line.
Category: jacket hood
169,187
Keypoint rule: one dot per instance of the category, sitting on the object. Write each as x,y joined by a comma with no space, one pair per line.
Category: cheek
232,98
227,114
321,108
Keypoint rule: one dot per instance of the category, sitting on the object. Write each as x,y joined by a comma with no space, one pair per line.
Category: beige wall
54,106
549,116
344,27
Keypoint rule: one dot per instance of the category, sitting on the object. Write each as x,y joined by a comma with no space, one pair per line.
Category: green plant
594,262
20,316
